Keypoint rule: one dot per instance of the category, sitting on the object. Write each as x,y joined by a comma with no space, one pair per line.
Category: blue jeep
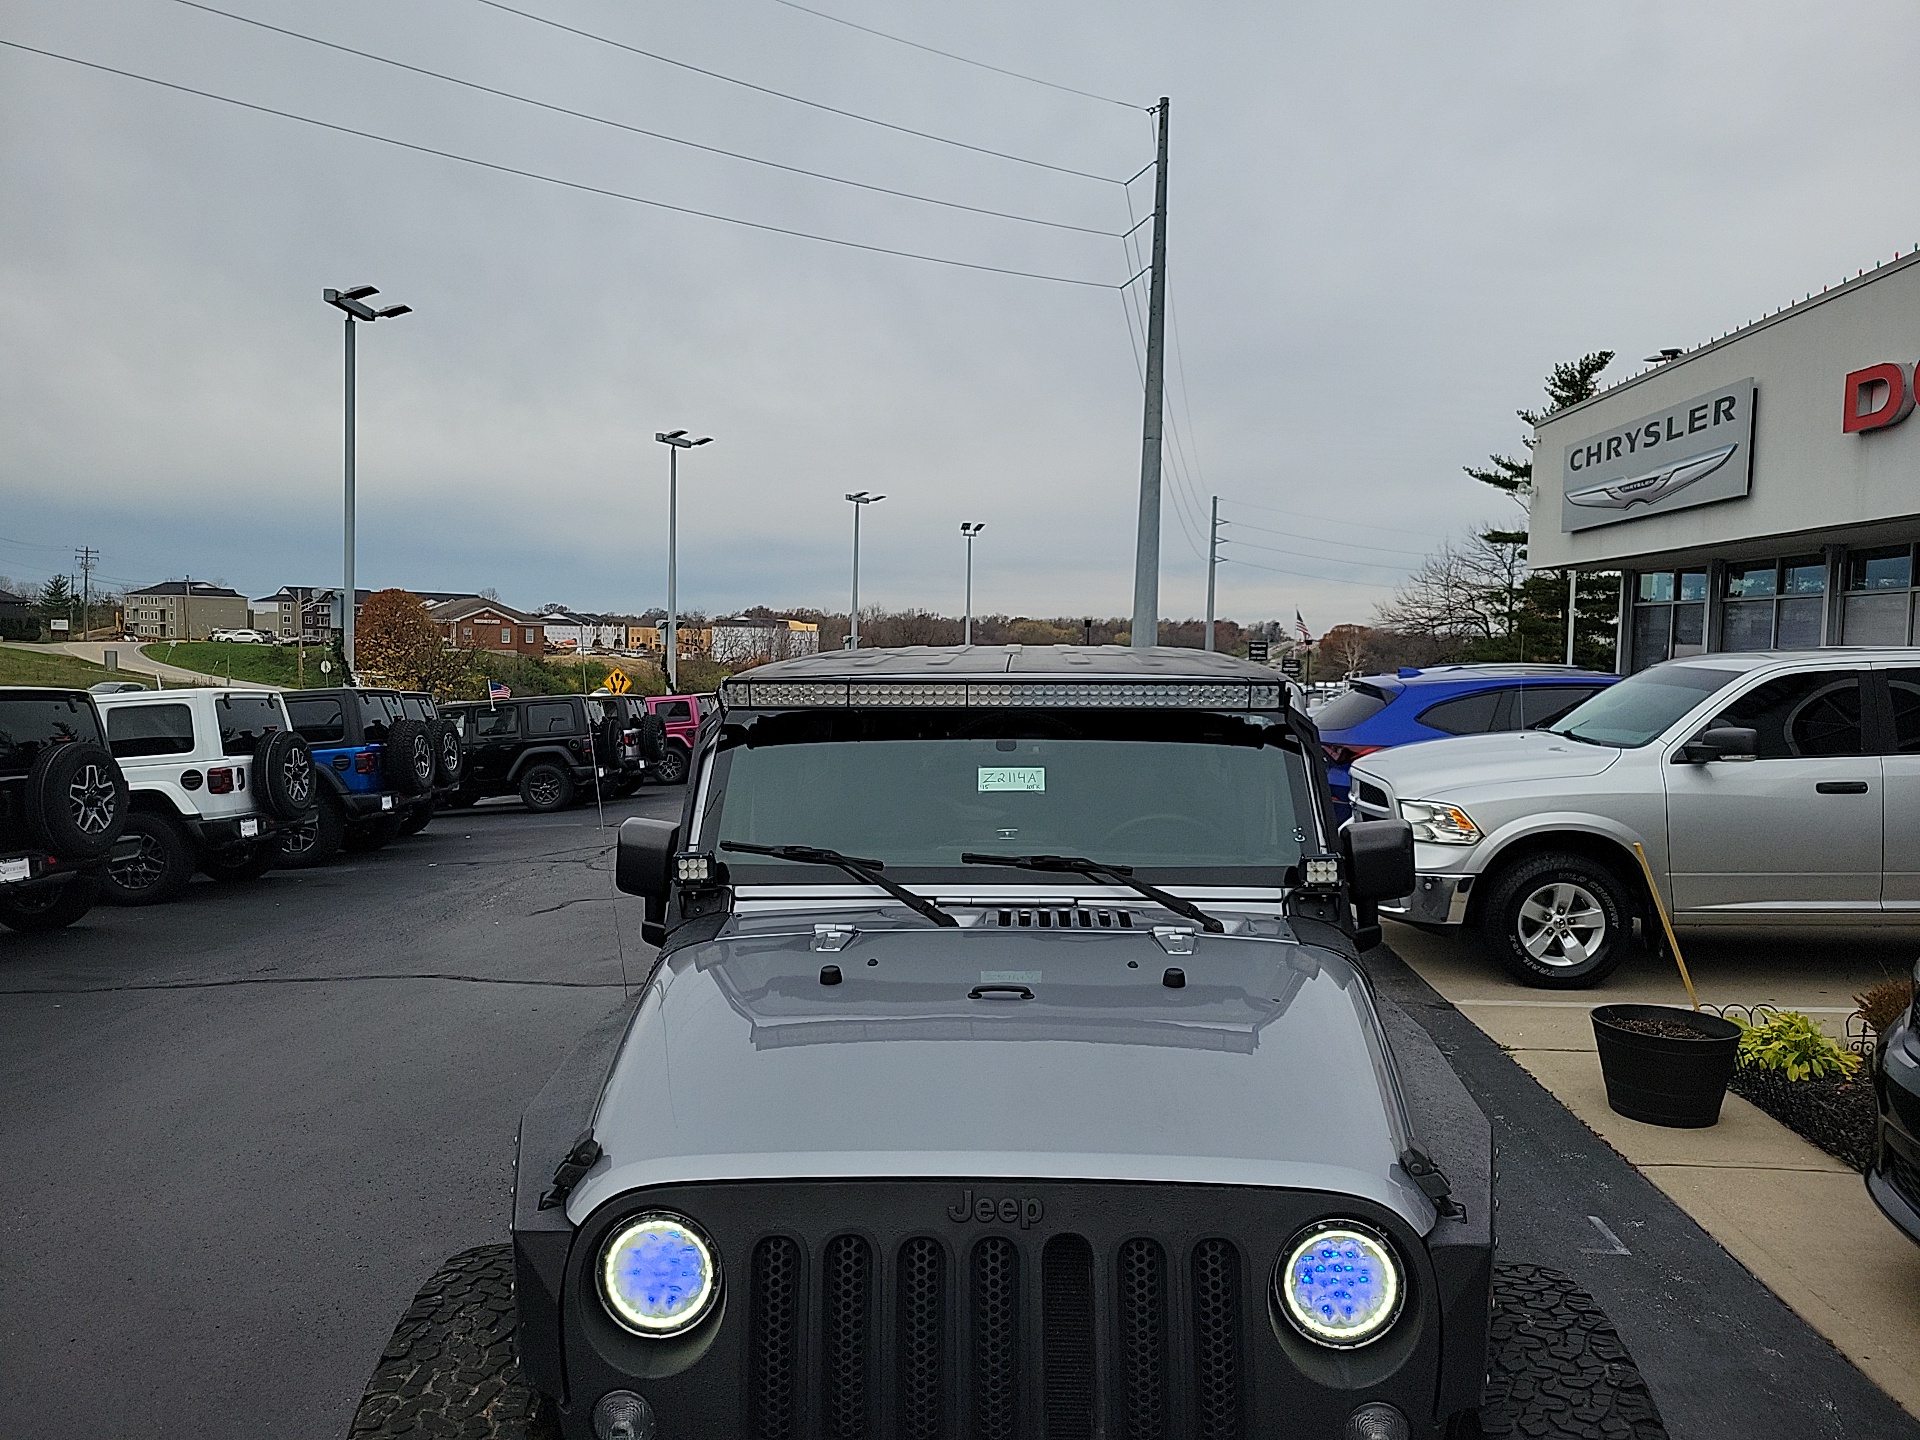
376,764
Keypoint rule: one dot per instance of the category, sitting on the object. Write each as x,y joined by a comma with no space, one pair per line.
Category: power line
796,99
1322,540
637,129
564,184
963,59
1330,520
1310,555
1307,575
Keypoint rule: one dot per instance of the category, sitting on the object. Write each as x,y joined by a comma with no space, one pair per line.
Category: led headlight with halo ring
1340,1284
658,1275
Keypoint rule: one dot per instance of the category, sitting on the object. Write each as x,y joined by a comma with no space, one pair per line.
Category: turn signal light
364,762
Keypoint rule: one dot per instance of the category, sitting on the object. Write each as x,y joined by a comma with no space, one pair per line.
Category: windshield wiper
1576,735
867,870
1080,865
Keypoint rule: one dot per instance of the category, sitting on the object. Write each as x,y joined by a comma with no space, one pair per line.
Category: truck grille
988,1362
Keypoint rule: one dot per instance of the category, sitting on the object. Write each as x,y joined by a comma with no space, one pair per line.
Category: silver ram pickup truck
1768,790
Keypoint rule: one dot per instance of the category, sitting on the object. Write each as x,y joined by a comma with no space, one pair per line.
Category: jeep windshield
1641,707
1182,798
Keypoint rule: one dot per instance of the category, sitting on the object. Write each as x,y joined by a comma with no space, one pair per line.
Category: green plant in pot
1664,1065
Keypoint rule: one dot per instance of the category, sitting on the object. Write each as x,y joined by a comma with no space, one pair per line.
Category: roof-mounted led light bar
1001,694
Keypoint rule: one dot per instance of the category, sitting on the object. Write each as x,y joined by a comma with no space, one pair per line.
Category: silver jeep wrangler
1007,1070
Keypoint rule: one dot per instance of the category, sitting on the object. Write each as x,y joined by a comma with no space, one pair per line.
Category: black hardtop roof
1064,662
42,692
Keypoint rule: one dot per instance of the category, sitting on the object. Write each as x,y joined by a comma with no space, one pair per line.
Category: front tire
158,871
449,1368
546,788
1558,921
53,908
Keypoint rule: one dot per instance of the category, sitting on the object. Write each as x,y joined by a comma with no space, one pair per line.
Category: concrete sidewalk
1798,1219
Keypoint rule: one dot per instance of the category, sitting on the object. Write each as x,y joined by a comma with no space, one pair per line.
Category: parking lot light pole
860,500
349,301
969,530
675,441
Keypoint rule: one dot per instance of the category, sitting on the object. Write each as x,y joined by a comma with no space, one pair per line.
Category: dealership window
1669,616
1878,608
529,637
506,634
1775,604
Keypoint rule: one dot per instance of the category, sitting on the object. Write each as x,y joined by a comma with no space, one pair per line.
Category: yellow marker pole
1666,924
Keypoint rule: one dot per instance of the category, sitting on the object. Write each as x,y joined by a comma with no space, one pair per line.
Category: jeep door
1795,832
493,739
1900,892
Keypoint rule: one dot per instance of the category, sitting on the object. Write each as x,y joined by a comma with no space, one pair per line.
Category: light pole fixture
861,499
350,303
969,530
675,441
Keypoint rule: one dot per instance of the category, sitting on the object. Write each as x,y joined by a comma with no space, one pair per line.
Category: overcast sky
1387,221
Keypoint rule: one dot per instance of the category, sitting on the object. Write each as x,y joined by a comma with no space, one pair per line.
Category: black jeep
449,756
376,764
63,803
550,750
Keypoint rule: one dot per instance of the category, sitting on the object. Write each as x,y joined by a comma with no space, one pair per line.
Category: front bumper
1894,1180
1436,900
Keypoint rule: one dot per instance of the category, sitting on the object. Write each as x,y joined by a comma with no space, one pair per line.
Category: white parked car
217,777
1771,790
241,637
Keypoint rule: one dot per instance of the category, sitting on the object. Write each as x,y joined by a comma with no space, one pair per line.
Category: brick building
473,623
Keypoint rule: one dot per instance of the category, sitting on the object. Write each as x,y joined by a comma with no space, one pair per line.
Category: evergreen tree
1568,383
57,599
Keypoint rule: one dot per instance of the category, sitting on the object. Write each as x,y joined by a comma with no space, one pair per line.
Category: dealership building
1761,492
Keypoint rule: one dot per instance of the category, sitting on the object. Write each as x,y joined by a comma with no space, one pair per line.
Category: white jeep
217,776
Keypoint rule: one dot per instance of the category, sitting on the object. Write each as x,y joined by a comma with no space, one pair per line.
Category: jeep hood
1268,1067
1437,769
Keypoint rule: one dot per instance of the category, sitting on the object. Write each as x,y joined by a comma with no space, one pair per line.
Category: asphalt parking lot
241,1130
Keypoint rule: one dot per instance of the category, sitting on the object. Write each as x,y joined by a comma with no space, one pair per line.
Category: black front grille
958,1361
846,1323
1905,1176
1142,1288
1369,795
773,1369
996,1339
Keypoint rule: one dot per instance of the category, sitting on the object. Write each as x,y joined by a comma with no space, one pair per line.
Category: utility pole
860,502
1146,558
86,558
1573,608
1213,564
675,441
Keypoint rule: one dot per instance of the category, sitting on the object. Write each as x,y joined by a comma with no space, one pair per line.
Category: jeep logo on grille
1009,1210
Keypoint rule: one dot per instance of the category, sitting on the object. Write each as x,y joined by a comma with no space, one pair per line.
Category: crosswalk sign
618,682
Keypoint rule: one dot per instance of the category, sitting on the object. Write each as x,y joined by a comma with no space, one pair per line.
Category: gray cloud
1386,223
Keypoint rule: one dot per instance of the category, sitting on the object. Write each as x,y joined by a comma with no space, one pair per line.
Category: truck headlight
1340,1285
1439,823
658,1276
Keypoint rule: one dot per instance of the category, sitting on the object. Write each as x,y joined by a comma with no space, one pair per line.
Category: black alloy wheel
283,773
77,800
546,788
315,839
673,766
408,757
52,907
450,752
156,872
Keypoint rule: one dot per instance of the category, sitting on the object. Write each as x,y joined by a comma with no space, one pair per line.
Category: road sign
1290,665
1257,651
618,682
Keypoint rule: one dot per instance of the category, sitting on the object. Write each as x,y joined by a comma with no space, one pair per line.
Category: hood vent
1066,917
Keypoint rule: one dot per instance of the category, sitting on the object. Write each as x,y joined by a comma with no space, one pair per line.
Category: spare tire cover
283,775
407,758
76,800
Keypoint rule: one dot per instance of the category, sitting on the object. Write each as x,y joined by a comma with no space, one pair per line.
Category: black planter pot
1663,1080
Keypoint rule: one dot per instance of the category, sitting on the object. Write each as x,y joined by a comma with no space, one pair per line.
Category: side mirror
643,864
1720,742
1379,857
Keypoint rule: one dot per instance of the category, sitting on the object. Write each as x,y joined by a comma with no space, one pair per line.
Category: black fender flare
561,756
329,781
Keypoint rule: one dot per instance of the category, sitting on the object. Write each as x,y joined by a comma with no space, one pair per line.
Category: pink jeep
681,714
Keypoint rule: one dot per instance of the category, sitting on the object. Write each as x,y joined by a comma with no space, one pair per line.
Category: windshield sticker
1009,977
1034,779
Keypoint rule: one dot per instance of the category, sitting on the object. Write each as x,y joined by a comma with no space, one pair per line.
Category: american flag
1300,628
497,691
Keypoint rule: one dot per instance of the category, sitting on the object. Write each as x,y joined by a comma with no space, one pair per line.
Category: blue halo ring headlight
658,1275
1340,1284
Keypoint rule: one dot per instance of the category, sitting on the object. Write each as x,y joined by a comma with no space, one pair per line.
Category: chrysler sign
1693,454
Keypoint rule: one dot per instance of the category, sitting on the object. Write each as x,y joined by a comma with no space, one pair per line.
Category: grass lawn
264,664
21,665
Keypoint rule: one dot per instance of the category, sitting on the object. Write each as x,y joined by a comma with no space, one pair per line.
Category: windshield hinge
831,939
1432,1181
585,1153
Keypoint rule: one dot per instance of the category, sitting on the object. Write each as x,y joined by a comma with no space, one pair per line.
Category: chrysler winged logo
1655,485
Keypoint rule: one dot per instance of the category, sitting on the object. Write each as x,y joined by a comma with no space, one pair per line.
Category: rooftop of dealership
1759,492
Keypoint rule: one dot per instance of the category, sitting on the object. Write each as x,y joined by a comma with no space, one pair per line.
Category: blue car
1378,712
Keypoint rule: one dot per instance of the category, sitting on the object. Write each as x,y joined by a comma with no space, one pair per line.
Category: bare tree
1462,592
